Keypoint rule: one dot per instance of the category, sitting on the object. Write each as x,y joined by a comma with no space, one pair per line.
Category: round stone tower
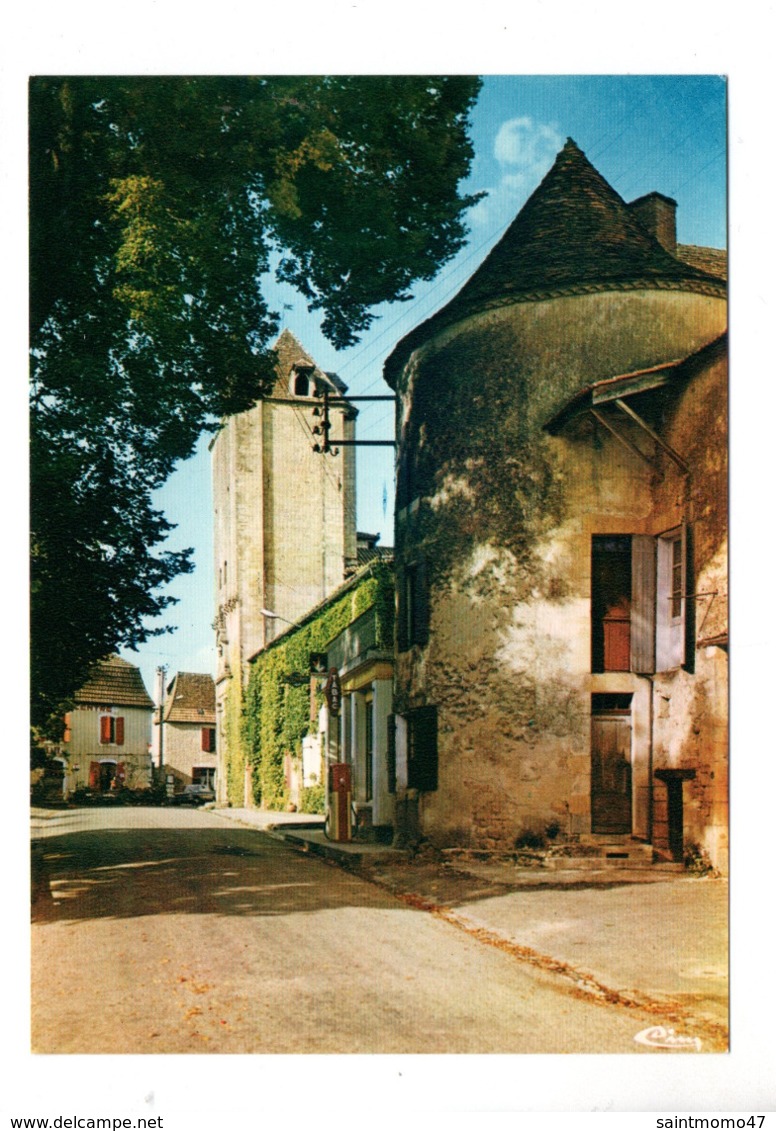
533,415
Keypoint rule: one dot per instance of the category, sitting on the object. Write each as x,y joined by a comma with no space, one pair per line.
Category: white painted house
108,732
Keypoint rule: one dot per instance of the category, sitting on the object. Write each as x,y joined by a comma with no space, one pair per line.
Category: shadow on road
124,873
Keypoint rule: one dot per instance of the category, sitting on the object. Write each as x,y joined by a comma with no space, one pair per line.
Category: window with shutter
413,611
106,730
611,569
422,759
119,731
643,604
671,600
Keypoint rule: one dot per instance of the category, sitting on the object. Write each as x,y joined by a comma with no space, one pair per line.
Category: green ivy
275,714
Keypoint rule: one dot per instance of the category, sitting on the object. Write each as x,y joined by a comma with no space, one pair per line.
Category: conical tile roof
573,234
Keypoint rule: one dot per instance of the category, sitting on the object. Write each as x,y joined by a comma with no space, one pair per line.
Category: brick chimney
657,213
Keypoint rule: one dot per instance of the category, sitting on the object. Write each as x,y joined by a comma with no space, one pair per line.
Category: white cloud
525,150
529,145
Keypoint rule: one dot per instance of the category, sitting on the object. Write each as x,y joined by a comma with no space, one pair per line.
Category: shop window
203,775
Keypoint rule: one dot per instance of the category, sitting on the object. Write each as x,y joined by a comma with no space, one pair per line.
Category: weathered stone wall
691,708
285,531
503,514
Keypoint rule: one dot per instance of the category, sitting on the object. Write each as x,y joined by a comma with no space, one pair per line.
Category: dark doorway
674,830
107,774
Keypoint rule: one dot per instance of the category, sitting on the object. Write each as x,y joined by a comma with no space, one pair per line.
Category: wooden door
610,773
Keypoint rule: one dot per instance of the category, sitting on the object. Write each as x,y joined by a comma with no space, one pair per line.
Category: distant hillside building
108,733
561,535
285,521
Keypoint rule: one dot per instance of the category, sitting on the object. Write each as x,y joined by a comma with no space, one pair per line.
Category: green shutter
422,759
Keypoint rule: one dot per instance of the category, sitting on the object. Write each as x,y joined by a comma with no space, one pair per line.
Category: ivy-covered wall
275,713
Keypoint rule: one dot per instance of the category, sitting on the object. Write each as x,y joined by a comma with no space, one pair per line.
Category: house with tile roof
108,732
561,538
185,731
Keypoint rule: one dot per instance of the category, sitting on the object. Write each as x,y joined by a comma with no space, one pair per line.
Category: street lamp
276,616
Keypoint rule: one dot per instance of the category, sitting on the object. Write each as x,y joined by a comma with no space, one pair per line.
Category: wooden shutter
422,749
105,729
204,739
670,612
121,772
67,734
119,731
642,630
391,754
94,775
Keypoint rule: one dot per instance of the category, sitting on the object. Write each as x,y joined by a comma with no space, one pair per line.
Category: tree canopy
156,206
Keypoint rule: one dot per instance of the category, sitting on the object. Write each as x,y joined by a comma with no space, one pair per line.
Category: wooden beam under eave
623,440
653,436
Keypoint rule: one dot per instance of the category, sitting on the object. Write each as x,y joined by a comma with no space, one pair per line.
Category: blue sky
643,133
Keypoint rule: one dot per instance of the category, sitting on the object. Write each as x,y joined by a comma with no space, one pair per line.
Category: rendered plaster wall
503,514
85,747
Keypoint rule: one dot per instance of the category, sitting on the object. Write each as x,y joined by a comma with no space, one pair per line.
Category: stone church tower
285,520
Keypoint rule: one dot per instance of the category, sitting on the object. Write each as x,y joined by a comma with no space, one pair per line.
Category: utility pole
161,679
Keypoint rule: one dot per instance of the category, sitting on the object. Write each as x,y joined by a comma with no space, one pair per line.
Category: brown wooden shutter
642,628
67,734
119,731
121,772
94,775
105,729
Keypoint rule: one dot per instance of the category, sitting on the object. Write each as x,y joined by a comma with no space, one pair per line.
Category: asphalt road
173,931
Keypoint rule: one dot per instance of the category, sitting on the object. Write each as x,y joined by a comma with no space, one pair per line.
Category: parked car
198,793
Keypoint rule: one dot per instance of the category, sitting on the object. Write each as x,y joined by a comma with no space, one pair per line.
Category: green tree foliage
157,205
